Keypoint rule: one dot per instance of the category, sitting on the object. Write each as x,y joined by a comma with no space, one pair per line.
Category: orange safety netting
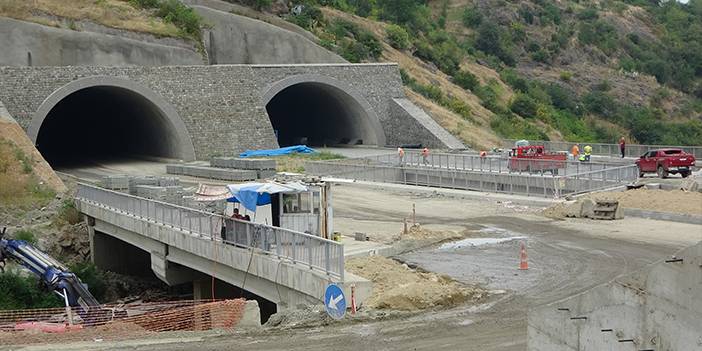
117,322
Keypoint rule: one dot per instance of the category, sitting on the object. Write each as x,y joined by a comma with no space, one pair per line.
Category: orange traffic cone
523,264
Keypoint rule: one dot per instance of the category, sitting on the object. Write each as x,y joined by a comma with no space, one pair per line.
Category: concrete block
252,315
115,182
151,192
360,237
219,173
174,169
587,208
266,173
243,163
168,181
135,181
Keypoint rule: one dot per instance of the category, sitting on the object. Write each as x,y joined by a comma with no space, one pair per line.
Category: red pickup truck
535,159
665,161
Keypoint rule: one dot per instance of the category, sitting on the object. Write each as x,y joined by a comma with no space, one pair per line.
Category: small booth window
315,202
296,203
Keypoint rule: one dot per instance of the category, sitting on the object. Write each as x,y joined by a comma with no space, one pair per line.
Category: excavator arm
53,274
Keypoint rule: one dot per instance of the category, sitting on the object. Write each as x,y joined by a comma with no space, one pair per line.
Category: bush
600,103
541,55
68,212
466,80
398,37
566,76
524,106
472,18
588,14
26,235
509,126
352,51
372,45
19,292
91,276
173,11
308,18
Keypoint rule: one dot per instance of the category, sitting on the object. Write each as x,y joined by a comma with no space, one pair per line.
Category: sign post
335,302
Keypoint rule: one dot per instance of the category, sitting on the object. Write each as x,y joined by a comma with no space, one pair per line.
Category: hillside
573,70
484,69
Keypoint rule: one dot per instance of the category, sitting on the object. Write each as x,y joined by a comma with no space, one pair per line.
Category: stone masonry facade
221,106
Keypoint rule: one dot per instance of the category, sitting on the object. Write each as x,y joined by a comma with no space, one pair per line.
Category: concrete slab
354,248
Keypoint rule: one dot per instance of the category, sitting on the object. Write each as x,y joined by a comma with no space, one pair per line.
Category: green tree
472,18
466,80
397,36
524,105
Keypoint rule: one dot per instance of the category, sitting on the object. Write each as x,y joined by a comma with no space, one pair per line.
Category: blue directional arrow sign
334,302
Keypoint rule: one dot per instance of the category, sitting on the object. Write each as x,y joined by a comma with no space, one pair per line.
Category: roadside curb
663,216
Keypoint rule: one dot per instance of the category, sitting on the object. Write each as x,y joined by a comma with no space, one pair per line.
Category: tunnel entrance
319,114
105,123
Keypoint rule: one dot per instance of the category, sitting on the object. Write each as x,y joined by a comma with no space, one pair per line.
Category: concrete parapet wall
658,308
212,172
243,163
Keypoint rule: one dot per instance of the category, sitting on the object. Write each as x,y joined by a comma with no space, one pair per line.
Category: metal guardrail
492,164
601,149
504,182
300,248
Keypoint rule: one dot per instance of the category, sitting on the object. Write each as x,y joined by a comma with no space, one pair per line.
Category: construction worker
587,153
575,151
401,155
622,145
425,156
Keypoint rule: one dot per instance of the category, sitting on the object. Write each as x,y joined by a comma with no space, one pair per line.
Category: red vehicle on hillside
535,159
666,161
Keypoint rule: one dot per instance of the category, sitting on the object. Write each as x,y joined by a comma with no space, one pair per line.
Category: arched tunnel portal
100,119
317,110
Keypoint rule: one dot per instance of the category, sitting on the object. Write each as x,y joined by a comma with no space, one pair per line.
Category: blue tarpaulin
297,149
251,195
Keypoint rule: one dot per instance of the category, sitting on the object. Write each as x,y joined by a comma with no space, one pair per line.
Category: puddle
472,242
504,236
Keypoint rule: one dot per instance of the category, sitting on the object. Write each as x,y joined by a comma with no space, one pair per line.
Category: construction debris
587,208
398,287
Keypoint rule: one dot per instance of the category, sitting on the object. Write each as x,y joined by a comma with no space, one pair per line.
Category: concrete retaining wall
658,308
30,44
238,39
418,127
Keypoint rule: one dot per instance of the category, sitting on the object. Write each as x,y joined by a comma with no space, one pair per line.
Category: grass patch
19,187
25,235
68,214
296,162
110,13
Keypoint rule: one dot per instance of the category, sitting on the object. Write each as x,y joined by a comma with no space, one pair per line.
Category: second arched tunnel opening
319,114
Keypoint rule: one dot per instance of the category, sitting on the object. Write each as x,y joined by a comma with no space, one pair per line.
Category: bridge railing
300,248
489,164
601,149
451,178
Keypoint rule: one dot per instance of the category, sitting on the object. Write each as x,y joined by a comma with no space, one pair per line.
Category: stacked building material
265,168
212,172
115,182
